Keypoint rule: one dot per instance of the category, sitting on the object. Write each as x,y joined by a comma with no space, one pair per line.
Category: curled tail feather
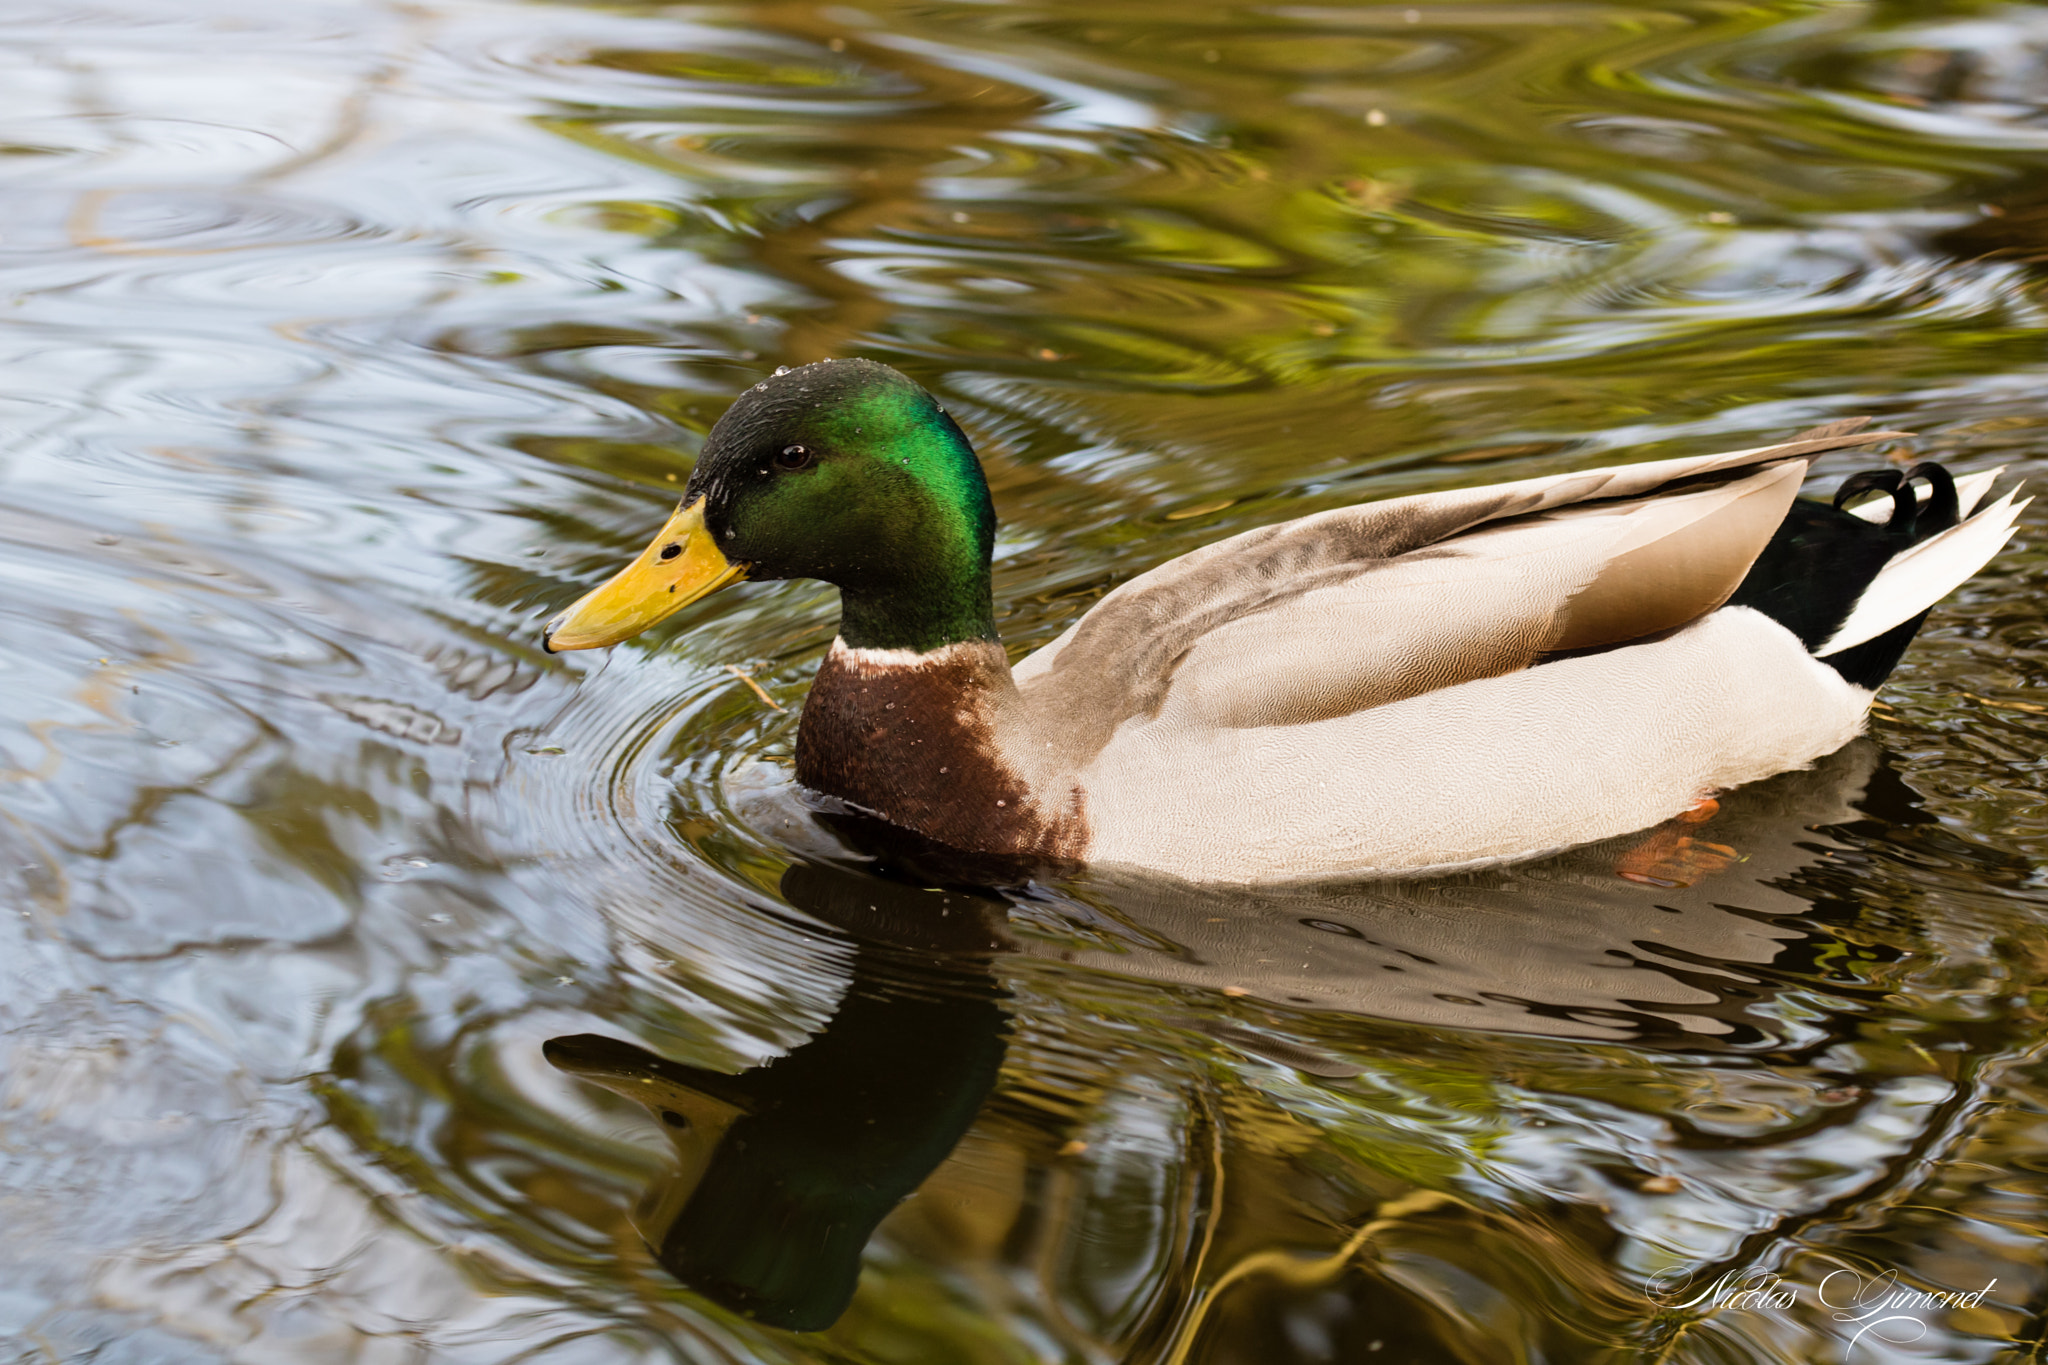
1855,580
1922,574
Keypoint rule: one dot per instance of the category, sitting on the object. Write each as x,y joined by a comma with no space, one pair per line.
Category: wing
1364,605
1491,601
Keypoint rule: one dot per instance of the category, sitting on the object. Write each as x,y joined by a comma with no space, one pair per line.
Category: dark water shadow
783,1171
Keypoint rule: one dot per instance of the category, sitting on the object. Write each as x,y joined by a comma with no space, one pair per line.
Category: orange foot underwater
1670,857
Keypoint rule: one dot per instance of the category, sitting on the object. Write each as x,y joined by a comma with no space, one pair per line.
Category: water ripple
343,342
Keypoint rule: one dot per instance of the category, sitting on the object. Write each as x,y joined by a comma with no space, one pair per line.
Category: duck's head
845,471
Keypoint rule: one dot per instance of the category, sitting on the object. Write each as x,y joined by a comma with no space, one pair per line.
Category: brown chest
914,742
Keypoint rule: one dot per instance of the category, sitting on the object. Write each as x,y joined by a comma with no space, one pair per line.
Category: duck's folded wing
1491,601
1365,605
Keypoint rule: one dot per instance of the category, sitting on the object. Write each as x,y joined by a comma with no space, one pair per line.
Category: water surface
343,342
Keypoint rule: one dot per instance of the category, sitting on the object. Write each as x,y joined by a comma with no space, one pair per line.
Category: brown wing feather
1118,661
1682,563
1491,601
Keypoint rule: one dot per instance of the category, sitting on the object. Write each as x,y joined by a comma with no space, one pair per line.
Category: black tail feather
1821,559
1890,480
1870,663
1942,509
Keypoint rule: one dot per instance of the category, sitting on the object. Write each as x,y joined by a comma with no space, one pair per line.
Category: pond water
345,341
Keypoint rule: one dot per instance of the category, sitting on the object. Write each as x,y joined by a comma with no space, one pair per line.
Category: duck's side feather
1496,770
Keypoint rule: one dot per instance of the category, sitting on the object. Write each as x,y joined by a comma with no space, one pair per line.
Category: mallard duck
1426,683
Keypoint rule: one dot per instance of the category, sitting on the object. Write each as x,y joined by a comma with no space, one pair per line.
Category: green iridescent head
844,471
849,472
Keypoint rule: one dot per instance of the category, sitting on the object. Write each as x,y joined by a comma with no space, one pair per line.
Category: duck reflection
783,1173
1677,934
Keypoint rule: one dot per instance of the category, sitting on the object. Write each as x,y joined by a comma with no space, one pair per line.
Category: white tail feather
1916,578
1970,490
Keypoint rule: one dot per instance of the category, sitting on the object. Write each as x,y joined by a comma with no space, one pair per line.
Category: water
343,342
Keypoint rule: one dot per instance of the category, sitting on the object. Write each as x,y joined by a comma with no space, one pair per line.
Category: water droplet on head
782,369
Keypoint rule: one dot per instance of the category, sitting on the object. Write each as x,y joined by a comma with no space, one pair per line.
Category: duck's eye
671,551
793,457
673,1119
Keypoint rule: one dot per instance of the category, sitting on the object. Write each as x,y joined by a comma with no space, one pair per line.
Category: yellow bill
682,565
694,1119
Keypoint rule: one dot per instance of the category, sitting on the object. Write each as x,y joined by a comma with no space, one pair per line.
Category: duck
1412,686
